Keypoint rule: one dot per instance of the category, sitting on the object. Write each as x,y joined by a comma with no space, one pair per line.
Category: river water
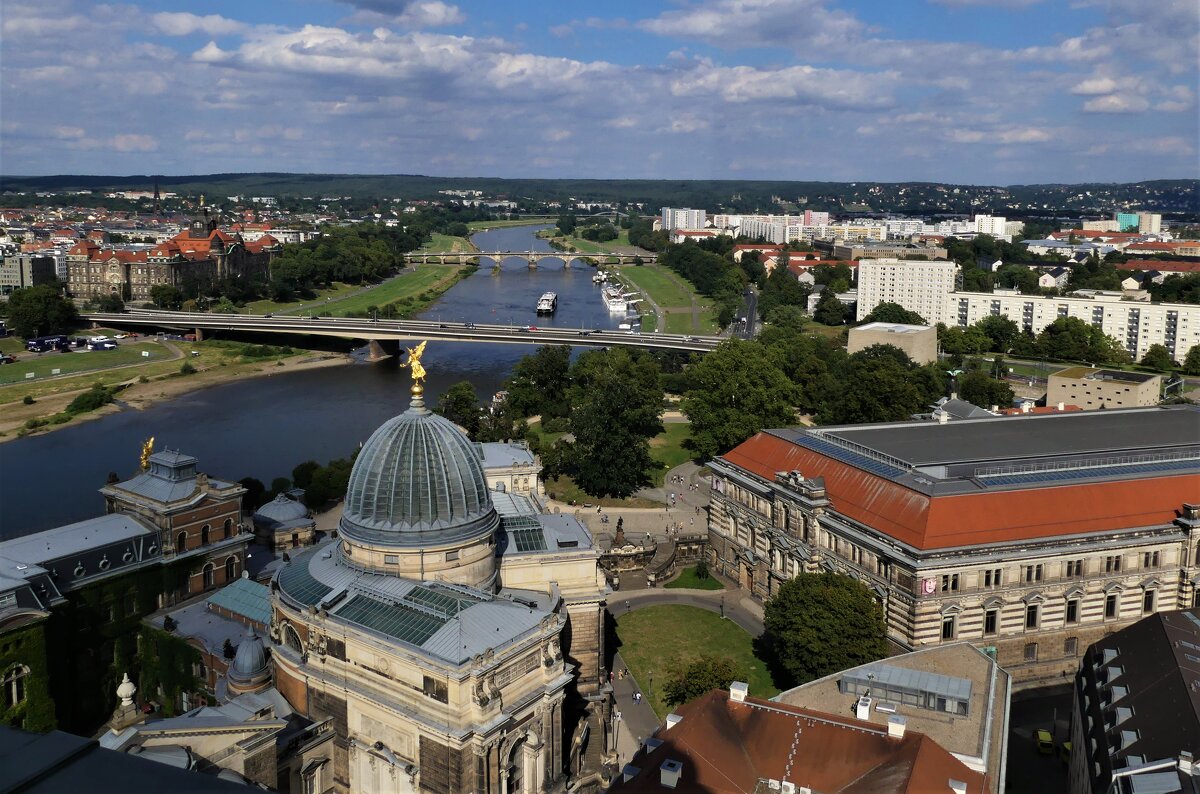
263,427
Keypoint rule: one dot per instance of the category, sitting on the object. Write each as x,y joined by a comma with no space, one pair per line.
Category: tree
735,391
538,385
978,388
702,568
303,473
830,310
566,224
40,311
700,676
1158,357
166,296
817,624
110,303
254,494
1191,363
228,650
1000,330
781,290
893,313
1072,339
460,405
616,400
877,385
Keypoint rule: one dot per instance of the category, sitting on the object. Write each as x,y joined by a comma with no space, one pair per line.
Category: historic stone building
1030,536
195,260
450,636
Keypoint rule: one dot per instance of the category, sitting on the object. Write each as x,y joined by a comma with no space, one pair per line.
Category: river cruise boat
599,277
614,299
547,303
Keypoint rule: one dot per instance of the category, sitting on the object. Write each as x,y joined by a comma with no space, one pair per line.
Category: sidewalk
638,720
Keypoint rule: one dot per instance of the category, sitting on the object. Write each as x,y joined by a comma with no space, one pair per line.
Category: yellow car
1045,742
1064,752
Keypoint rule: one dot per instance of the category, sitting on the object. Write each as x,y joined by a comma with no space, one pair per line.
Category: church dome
281,509
417,482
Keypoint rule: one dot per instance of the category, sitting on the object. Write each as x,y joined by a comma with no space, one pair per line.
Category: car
689,339
585,333
1045,742
8,359
468,325
268,315
120,336
633,331
1064,753
442,325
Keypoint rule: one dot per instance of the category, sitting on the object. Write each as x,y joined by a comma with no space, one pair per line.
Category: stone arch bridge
534,258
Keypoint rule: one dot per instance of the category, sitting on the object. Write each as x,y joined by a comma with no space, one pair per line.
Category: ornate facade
198,258
1031,536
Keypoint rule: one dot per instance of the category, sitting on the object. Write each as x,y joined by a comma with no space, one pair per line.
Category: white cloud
978,3
1116,103
133,142
1095,85
181,23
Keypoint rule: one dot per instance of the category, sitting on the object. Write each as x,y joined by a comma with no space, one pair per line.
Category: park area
657,642
675,298
690,579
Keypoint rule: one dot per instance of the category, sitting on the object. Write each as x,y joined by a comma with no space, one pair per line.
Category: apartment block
917,285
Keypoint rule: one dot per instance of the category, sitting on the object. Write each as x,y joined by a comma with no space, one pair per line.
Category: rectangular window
391,559
1073,610
1112,564
948,627
989,622
452,555
1150,559
1110,605
991,578
435,689
1070,646
1148,601
1033,573
1074,568
1031,616
1031,652
949,583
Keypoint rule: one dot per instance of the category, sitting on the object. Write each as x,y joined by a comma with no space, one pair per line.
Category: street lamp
650,688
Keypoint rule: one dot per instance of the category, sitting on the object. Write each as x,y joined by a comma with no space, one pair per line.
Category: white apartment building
1136,324
812,218
918,286
902,228
673,218
990,224
1149,223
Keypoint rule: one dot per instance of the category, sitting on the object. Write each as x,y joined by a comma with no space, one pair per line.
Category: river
263,427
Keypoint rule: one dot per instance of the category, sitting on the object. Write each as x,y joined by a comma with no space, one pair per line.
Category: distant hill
1178,197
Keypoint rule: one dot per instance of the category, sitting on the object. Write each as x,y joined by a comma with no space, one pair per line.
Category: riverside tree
460,405
820,623
40,311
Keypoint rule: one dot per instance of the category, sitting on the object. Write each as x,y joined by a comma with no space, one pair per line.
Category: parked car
1045,742
8,359
1064,753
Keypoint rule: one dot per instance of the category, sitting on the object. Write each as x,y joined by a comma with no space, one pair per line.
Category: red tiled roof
727,747
975,518
758,247
1160,265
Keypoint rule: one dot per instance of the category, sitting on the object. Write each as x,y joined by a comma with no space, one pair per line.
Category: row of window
205,535
1033,614
1036,572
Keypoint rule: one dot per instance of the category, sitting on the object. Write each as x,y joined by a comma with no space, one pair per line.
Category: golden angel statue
414,363
147,450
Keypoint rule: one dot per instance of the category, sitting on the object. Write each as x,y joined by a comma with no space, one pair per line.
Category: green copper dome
418,481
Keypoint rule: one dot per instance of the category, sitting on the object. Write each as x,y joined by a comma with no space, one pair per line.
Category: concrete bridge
385,335
534,258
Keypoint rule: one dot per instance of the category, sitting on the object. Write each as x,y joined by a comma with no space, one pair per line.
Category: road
356,328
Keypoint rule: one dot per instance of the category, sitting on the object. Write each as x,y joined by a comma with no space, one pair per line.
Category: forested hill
1169,196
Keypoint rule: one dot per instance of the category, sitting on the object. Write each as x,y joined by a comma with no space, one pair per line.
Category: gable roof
729,747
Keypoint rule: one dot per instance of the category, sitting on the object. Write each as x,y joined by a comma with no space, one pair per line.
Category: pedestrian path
638,721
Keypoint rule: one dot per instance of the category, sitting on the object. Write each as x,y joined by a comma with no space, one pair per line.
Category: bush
59,418
34,424
90,400
187,368
143,379
28,399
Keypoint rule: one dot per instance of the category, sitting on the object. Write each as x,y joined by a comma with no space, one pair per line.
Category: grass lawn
564,489
830,331
688,578
338,290
444,242
656,282
77,361
404,287
661,640
667,448
11,345
476,226
680,322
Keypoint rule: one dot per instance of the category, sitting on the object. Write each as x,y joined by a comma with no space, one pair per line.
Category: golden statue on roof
414,363
147,450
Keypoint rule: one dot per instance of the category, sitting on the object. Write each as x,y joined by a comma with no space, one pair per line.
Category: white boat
614,298
547,303
599,277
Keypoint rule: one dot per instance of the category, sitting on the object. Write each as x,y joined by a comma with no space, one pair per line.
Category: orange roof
1161,265
758,247
933,522
727,747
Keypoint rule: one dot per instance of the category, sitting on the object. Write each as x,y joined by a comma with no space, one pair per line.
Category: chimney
896,726
953,395
1025,408
942,417
957,786
1187,764
738,691
669,772
629,772
995,409
673,719
1061,407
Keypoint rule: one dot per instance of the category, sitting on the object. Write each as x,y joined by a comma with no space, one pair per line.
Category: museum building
1030,536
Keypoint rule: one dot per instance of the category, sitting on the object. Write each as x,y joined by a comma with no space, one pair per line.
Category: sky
963,91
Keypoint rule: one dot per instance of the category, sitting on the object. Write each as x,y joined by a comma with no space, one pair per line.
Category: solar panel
395,620
847,456
297,582
1081,473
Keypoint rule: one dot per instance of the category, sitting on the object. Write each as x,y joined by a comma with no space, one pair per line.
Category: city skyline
965,91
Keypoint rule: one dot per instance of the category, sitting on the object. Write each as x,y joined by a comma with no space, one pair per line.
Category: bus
41,344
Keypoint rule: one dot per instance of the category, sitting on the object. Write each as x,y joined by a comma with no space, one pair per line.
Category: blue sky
966,91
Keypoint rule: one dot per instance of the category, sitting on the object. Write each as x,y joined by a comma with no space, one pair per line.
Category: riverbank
133,393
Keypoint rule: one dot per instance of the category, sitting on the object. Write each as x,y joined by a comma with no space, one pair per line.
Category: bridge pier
199,334
381,349
533,260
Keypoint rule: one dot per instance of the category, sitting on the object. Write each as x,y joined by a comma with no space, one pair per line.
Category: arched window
204,530
209,575
231,568
229,528
181,543
14,685
291,638
516,767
